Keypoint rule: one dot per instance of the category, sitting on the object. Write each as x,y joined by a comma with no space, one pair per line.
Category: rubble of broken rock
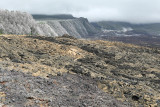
129,73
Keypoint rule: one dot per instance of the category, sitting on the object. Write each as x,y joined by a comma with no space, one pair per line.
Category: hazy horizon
133,11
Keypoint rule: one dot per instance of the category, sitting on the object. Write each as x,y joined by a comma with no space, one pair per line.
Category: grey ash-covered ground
67,90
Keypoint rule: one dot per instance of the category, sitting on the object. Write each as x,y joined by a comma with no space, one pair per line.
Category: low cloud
134,11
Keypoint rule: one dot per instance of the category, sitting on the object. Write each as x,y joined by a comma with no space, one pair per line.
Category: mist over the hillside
134,11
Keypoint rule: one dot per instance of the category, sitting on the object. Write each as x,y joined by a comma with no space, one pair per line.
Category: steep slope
15,22
129,73
78,27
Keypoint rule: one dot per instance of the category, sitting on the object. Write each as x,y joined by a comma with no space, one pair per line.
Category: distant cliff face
67,24
78,27
14,22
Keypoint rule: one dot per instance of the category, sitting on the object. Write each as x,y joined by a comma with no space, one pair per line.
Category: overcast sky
135,11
